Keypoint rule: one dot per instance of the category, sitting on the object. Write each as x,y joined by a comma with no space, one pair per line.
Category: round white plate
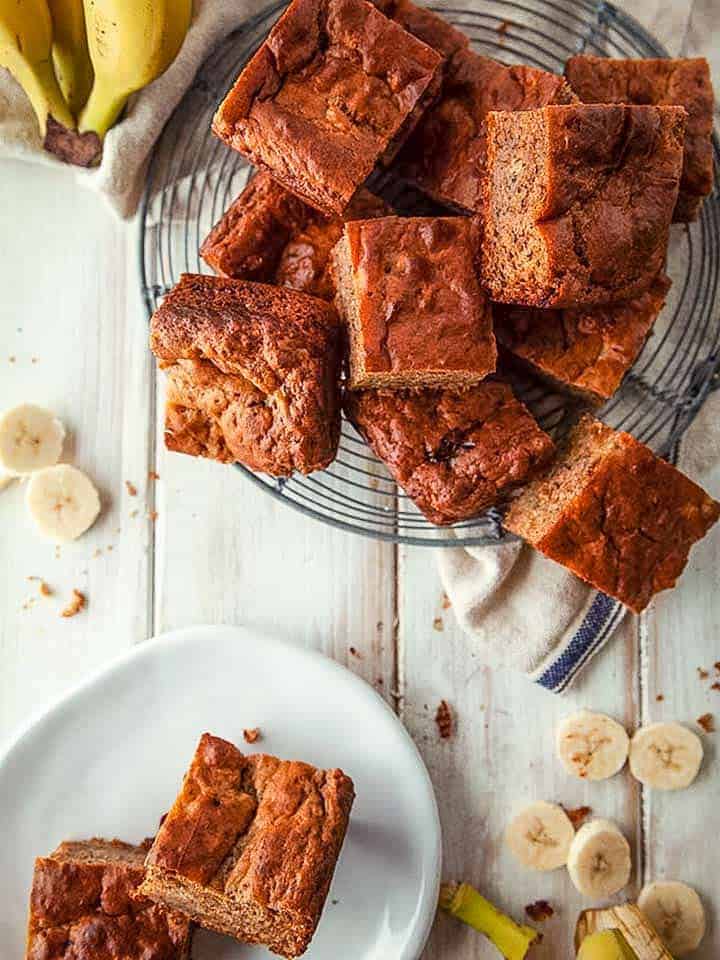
108,760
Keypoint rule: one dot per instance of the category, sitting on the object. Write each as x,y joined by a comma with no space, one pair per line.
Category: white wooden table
221,551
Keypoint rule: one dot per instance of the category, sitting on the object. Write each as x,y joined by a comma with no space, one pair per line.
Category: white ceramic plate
108,759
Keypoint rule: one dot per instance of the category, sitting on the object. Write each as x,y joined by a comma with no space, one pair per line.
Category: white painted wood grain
69,318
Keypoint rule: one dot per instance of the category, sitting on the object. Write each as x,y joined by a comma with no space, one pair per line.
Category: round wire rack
193,178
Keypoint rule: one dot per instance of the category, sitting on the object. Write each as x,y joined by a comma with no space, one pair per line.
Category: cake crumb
502,27
660,697
354,652
152,475
444,720
77,603
152,516
438,624
539,911
45,589
707,722
446,602
577,815
131,488
703,674
252,735
717,666
715,686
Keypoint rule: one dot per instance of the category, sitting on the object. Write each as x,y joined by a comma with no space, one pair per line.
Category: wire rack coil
193,178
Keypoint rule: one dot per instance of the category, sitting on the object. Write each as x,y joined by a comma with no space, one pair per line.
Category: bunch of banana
78,62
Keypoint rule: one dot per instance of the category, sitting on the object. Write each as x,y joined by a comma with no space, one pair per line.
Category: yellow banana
70,51
131,43
25,45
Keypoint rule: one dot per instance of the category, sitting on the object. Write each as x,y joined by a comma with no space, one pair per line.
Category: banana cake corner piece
85,905
578,201
683,82
454,453
250,845
253,374
614,514
416,315
335,88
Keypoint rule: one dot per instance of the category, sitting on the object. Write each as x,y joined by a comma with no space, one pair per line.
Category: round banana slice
540,836
30,438
676,912
599,860
666,756
62,501
592,746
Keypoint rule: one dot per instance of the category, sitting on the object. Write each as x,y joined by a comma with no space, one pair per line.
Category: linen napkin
128,144
527,612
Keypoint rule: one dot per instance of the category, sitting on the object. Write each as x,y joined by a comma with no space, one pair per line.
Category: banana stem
101,111
464,902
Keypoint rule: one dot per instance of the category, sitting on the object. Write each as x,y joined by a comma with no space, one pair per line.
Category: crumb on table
444,720
77,603
438,624
539,911
251,735
152,475
707,722
131,488
660,697
702,673
578,815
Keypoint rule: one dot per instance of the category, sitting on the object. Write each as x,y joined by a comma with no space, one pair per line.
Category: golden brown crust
445,156
271,236
454,454
253,374
261,832
84,905
615,514
416,313
335,87
664,82
587,350
578,202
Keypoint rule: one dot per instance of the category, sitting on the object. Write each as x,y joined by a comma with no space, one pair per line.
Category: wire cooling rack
193,177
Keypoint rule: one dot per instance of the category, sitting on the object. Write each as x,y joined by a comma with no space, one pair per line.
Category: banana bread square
84,905
250,845
681,82
335,88
253,374
445,156
614,514
578,202
416,315
586,350
269,235
454,454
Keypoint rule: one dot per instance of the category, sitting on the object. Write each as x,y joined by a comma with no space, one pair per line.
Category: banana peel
627,921
465,903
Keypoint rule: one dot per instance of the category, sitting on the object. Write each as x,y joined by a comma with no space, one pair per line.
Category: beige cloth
529,613
128,144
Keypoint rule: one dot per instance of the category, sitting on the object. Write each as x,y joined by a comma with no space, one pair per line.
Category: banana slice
666,756
592,746
540,836
676,912
599,860
30,438
62,501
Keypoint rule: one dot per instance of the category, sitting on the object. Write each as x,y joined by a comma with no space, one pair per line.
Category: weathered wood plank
72,322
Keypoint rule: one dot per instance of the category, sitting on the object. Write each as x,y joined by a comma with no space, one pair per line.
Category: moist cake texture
446,155
663,82
335,88
250,845
84,905
252,374
614,514
454,454
416,315
587,350
271,236
578,202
